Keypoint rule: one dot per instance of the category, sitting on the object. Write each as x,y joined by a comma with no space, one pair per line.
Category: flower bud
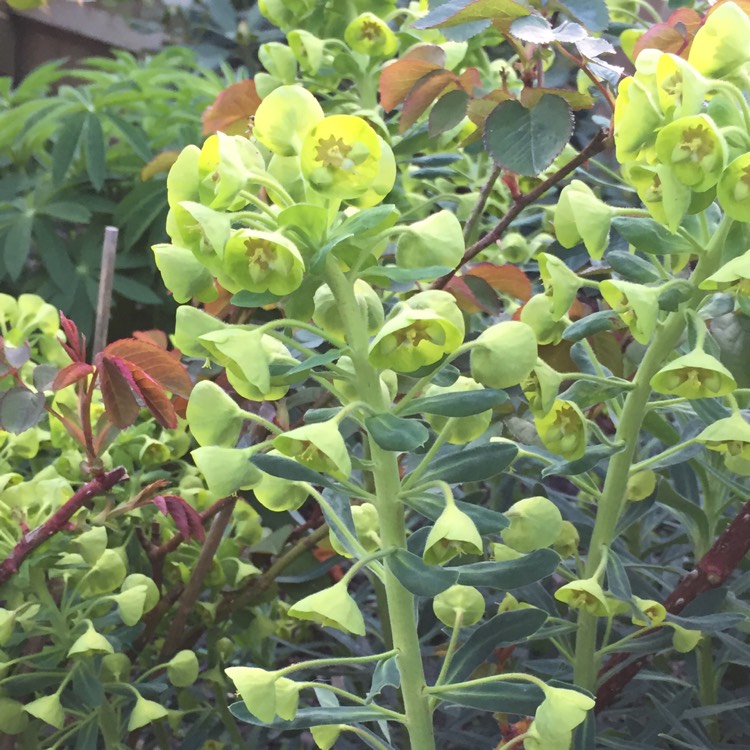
537,313
367,526
640,485
318,446
308,50
535,523
563,430
504,354
13,719
581,217
637,306
567,540
684,640
460,430
502,552
145,712
454,533
90,642
182,668
694,375
327,313
515,248
226,470
332,607
437,240
49,709
214,417
284,117
561,711
637,119
464,602
663,195
369,35
152,596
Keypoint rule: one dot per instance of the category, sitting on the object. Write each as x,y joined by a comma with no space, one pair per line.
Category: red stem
36,537
713,569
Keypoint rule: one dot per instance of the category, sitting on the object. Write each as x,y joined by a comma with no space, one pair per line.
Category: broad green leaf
504,629
393,433
93,147
457,404
20,410
651,237
214,417
520,698
589,325
527,141
65,146
18,245
472,464
509,574
417,576
311,717
632,267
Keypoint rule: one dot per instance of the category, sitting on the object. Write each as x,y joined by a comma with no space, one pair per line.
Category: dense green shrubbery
512,430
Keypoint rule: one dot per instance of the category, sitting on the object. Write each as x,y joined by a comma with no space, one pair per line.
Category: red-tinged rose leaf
465,298
664,37
153,336
692,20
117,387
399,77
530,97
71,374
423,94
469,80
180,406
154,396
158,364
186,518
507,278
454,13
76,341
231,109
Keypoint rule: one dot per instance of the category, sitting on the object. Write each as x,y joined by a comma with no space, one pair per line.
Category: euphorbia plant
304,241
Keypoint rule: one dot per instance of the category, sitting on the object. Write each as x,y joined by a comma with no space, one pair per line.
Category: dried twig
106,278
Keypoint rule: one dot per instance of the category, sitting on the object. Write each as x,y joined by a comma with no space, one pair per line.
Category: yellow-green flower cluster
681,126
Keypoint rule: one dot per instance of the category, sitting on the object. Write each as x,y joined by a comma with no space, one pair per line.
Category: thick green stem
613,499
391,515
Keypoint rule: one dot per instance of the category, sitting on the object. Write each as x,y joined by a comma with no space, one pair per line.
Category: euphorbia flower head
341,156
561,284
637,119
437,240
581,217
730,436
456,599
537,313
637,306
327,313
332,607
541,387
563,430
279,494
265,694
585,594
318,446
733,277
720,47
454,533
367,526
504,354
734,189
535,523
263,262
694,375
284,117
369,35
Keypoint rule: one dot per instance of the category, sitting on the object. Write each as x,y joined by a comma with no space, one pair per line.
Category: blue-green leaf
93,147
503,575
311,717
393,433
472,464
66,143
417,576
520,698
456,404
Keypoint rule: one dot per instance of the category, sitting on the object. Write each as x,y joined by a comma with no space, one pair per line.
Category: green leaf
535,29
651,237
593,14
509,574
520,698
286,468
504,629
589,325
368,221
457,404
18,245
93,147
386,674
244,298
527,141
317,360
393,273
581,465
416,576
67,211
136,291
20,410
311,717
134,135
65,146
393,433
486,520
449,111
690,515
617,578
472,464
586,394
632,267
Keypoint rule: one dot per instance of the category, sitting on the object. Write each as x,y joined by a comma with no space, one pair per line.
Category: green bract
535,523
650,612
341,156
366,524
437,240
504,354
637,119
734,189
733,277
720,47
214,417
637,306
581,217
537,314
457,601
318,446
369,35
585,594
284,117
333,607
226,470
541,387
458,430
563,430
730,436
454,533
327,313
695,149
560,283
263,262
694,375
420,332
279,494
